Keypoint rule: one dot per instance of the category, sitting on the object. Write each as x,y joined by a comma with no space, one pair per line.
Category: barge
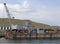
29,34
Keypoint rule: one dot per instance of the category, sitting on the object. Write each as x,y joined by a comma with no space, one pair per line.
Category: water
31,41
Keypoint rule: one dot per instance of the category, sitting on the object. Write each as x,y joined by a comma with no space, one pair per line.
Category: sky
41,11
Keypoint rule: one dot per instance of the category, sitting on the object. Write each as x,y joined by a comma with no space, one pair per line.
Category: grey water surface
29,41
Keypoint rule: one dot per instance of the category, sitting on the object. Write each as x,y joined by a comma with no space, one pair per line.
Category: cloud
26,4
39,13
20,8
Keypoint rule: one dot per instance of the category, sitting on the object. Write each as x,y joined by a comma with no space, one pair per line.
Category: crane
8,14
13,26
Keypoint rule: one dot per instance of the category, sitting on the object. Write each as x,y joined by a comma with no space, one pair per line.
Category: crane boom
8,14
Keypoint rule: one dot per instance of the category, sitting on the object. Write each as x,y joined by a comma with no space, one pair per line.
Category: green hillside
4,22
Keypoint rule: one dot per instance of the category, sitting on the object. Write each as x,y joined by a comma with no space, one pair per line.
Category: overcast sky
42,11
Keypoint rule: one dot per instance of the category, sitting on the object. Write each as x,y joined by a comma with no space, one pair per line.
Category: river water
30,41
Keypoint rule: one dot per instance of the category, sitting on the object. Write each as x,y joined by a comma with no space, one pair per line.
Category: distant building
28,23
41,31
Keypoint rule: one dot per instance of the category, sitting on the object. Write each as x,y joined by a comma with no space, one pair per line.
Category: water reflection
30,41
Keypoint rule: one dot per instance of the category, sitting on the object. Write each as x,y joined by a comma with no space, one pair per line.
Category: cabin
16,26
40,31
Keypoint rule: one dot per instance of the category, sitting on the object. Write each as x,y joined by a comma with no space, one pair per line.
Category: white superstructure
16,26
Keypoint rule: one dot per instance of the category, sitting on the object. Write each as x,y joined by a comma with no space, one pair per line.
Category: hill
4,22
